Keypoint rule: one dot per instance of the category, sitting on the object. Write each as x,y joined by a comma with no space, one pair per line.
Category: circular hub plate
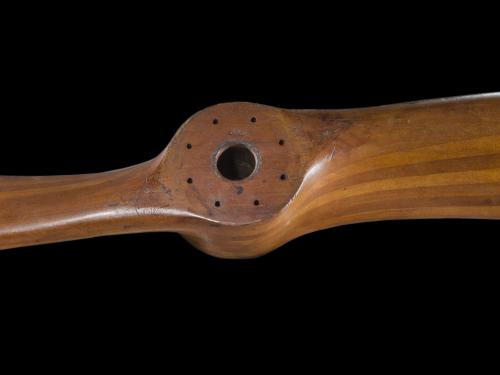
246,191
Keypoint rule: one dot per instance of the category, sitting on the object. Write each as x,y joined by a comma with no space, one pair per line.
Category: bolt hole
283,176
215,121
189,145
217,204
256,202
189,180
281,142
253,119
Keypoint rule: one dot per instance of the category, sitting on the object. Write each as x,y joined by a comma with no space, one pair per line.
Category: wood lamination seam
439,151
470,177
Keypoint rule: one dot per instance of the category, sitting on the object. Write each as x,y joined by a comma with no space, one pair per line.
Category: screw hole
281,142
253,119
215,121
283,176
256,202
189,145
217,204
189,180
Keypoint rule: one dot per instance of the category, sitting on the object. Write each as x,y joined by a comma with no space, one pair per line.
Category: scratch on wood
332,153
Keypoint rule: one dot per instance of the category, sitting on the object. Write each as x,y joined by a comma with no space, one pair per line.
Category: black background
96,95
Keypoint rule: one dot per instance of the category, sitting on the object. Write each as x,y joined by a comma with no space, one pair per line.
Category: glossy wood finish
315,169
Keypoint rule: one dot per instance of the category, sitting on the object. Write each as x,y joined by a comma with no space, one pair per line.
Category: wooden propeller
240,179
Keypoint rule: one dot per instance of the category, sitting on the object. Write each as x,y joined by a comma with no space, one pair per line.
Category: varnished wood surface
315,169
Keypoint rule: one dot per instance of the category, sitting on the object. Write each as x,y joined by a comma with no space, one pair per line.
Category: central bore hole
236,162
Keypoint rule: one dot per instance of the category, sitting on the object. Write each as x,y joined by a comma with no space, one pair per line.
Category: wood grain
315,169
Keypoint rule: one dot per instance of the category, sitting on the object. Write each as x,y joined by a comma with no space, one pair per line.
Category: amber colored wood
316,169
